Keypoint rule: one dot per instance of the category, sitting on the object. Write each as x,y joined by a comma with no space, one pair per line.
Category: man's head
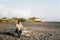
19,22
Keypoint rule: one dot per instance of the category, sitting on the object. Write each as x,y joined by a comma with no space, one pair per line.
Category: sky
49,10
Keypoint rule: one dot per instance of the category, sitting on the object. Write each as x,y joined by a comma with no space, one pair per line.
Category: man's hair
18,21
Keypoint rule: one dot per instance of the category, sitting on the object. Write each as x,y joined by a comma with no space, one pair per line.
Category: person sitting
19,29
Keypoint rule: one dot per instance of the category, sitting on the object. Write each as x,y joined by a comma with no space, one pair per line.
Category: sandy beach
41,31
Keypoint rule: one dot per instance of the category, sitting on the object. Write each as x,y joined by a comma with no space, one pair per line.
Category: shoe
18,37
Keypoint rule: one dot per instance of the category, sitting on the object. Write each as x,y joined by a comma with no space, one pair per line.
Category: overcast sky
47,9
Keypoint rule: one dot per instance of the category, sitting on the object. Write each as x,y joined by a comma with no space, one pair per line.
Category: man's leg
19,33
16,31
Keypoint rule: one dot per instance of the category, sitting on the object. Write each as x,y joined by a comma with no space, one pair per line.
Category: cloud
10,12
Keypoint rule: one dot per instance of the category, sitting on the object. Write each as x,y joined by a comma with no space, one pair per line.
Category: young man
19,28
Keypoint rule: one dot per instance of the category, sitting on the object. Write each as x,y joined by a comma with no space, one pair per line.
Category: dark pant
19,33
